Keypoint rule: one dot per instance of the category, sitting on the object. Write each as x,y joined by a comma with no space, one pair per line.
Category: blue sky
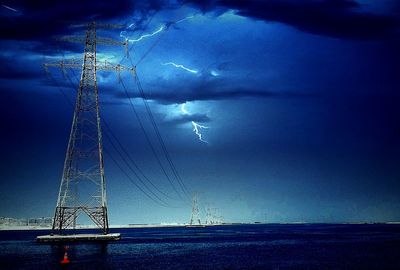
298,100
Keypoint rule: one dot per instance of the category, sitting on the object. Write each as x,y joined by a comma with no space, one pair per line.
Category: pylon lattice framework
83,186
195,217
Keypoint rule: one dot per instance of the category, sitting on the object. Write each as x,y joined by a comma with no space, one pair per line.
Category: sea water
270,246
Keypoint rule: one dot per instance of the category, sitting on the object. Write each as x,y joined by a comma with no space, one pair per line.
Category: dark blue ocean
221,247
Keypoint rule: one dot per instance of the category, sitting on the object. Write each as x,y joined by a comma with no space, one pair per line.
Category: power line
158,134
126,153
131,180
167,26
166,153
152,120
151,117
152,46
148,140
129,158
109,130
163,203
141,32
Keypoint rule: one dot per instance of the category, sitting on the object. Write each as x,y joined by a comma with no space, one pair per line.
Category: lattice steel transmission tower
208,220
216,217
195,217
83,185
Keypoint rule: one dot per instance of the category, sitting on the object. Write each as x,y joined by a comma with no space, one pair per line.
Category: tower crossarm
101,26
99,40
70,63
108,66
100,66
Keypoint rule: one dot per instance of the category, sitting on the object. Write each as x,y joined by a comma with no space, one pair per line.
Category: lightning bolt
122,33
162,27
180,66
9,8
197,129
196,126
184,19
183,109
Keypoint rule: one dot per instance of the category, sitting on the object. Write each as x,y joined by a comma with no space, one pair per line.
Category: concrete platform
78,237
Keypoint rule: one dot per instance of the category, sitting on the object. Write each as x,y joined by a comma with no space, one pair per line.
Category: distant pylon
214,215
208,220
195,217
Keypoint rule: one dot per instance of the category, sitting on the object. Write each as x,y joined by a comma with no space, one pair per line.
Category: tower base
78,237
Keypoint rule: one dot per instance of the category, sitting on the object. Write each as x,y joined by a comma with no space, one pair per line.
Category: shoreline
88,227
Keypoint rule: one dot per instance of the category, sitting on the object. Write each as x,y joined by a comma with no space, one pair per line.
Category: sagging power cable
157,199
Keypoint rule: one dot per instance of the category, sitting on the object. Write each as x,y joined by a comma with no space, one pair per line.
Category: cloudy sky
277,111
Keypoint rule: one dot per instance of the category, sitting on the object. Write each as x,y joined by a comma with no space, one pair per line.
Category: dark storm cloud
44,18
29,34
187,118
33,29
336,18
209,91
226,94
41,19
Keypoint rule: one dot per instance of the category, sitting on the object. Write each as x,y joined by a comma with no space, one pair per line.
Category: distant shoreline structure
166,225
6,222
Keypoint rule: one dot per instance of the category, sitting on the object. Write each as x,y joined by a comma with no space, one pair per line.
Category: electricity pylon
208,220
212,216
195,217
83,185
216,217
